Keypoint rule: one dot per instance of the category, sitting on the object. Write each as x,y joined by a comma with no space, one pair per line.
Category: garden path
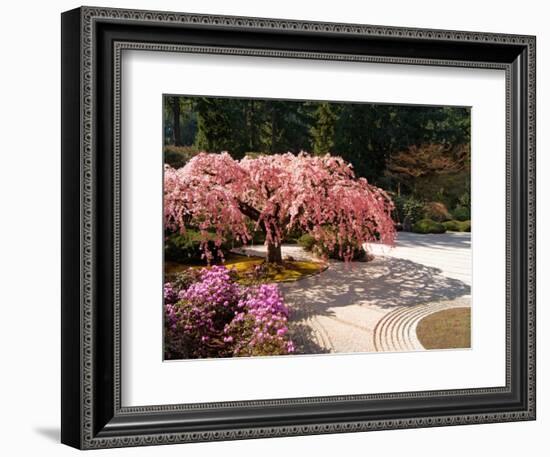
375,306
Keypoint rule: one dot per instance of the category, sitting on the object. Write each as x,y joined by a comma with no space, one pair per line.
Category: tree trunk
176,121
273,128
274,253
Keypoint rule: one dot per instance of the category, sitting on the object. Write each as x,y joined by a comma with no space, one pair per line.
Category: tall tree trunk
273,129
176,120
251,121
274,253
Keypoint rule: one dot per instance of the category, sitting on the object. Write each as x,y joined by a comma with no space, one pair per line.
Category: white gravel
338,310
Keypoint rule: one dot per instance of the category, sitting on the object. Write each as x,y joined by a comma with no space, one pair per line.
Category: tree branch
248,210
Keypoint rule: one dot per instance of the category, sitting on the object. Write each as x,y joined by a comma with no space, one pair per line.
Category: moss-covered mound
457,226
428,226
253,269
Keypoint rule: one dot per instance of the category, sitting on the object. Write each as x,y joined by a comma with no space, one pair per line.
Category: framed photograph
273,227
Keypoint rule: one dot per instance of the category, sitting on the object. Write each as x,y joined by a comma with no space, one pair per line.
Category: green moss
452,226
288,271
428,226
252,269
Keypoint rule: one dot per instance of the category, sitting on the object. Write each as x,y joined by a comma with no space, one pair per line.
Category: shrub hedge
461,213
428,226
186,247
310,244
457,226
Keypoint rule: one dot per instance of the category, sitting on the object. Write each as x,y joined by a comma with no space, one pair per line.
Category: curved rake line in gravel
396,331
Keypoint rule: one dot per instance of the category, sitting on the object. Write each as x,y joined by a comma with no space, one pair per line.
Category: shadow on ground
386,282
441,241
50,433
304,342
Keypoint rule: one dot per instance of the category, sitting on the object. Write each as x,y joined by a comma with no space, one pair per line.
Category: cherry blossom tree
276,194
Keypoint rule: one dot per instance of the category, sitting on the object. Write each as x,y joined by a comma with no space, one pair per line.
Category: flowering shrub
207,314
260,325
278,194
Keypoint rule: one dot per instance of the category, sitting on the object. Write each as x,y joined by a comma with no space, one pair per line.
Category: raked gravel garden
377,305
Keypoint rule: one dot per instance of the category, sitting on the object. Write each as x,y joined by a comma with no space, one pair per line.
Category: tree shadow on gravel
304,340
386,282
434,240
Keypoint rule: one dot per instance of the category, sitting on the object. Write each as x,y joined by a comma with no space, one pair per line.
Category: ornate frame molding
90,435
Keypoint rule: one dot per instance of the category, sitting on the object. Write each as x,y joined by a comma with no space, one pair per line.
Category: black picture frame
92,415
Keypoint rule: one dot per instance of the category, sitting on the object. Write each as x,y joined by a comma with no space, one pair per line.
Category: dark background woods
417,151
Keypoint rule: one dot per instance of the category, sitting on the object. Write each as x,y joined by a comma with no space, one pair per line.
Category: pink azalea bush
207,314
279,193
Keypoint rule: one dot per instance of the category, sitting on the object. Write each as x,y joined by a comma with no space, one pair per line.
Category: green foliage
428,226
452,226
178,156
408,210
258,237
362,133
464,199
369,136
323,131
284,126
310,244
293,236
446,188
361,140
185,278
413,209
307,242
457,226
461,213
219,126
358,253
180,121
186,247
241,125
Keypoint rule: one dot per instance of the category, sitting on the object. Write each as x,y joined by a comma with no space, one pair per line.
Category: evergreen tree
357,142
366,135
221,125
174,105
323,130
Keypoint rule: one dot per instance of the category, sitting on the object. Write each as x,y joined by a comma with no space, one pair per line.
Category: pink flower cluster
216,317
263,318
215,288
170,299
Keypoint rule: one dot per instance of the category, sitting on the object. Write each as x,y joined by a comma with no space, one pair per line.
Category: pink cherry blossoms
277,194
